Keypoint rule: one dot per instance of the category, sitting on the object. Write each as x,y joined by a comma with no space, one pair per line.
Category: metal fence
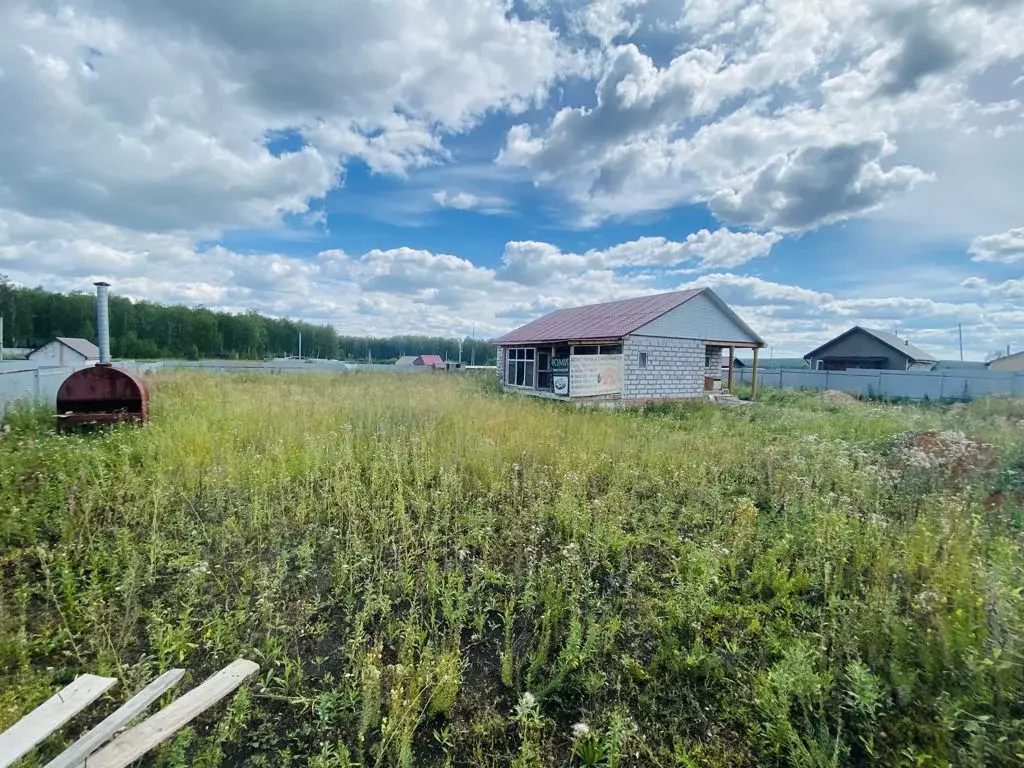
31,385
909,385
25,381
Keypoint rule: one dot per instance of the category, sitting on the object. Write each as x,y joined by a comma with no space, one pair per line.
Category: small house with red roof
432,361
667,346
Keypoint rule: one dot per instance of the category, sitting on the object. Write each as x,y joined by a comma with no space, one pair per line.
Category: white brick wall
501,364
675,368
714,369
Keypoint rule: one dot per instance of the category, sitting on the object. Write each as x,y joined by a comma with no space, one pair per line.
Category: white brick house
65,351
653,348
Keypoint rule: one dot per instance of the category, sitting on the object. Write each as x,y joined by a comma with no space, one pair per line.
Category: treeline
147,330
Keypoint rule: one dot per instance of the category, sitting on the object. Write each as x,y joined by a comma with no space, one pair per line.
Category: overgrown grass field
434,574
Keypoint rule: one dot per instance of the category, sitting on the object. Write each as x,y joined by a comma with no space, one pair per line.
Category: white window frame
642,360
525,357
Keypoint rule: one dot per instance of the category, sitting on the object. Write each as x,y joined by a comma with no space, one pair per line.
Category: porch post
732,360
753,376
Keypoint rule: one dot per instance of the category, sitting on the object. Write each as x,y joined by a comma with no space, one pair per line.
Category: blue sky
459,165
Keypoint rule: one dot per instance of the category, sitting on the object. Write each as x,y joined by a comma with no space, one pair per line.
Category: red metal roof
611,320
431,360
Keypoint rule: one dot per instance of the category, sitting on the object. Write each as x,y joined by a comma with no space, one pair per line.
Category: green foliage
432,573
145,330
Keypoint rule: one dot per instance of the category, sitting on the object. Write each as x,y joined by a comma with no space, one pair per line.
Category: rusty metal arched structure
101,395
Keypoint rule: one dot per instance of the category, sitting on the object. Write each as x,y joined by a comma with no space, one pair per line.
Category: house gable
859,347
702,317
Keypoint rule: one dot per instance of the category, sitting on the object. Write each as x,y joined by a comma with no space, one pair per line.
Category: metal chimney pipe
103,322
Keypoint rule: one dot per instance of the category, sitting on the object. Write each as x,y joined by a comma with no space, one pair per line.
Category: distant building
667,346
431,361
434,361
959,365
66,351
1014,362
866,348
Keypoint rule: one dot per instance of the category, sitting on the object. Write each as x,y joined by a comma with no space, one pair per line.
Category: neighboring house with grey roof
871,349
667,346
1014,362
64,351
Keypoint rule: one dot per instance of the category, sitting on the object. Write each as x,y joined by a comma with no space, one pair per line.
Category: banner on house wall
560,376
596,375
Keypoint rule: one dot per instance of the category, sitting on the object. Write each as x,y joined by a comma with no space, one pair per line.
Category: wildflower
580,730
528,699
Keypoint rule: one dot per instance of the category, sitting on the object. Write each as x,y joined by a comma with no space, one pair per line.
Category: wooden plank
134,743
732,365
49,716
754,375
74,756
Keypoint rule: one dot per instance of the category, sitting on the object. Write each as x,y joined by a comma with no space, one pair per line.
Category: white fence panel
32,385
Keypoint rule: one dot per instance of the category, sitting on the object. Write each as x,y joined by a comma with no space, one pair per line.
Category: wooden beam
732,362
753,376
726,343
49,716
134,743
75,755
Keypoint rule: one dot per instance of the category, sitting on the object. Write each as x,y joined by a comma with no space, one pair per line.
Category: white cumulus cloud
1005,248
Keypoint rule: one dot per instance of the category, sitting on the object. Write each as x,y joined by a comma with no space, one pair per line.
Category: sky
463,166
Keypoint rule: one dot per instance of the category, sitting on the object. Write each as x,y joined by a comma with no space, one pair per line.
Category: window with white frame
643,360
519,367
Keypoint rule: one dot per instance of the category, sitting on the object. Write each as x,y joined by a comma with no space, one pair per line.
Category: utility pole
960,333
1,337
472,348
460,351
300,345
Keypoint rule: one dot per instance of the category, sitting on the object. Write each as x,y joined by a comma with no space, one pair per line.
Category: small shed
668,346
866,348
406,360
1014,362
64,351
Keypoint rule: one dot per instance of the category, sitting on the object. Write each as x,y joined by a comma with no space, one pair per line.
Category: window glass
643,359
519,371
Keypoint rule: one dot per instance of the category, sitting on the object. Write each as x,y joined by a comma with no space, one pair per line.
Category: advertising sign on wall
596,375
560,375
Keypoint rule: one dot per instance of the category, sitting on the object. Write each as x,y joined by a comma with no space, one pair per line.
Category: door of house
544,369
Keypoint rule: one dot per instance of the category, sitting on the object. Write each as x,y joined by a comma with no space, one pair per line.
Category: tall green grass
431,573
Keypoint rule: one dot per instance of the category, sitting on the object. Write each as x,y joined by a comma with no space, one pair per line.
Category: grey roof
83,347
902,346
1004,357
610,320
406,360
